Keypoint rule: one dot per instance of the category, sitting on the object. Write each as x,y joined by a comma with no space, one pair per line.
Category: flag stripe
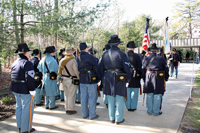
146,39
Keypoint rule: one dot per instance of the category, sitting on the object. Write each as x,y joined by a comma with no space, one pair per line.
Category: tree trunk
190,25
2,35
56,24
15,22
22,22
0,67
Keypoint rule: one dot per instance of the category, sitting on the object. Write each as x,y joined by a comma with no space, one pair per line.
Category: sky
158,9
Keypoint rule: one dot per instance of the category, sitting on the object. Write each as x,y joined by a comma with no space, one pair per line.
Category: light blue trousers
23,111
105,99
117,113
132,98
38,96
174,72
61,95
78,94
88,100
153,103
97,96
50,101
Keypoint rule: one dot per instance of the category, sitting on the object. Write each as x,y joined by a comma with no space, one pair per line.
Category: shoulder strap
151,61
109,52
70,76
67,71
24,63
82,63
130,63
46,66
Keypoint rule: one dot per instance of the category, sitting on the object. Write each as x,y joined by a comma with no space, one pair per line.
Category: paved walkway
174,103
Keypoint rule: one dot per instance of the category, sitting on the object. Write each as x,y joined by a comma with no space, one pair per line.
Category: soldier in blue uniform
88,89
161,53
78,91
112,87
38,77
105,98
50,86
175,58
61,91
93,51
61,53
156,75
142,55
136,72
23,86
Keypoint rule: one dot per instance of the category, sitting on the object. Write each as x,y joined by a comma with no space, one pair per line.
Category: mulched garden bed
7,110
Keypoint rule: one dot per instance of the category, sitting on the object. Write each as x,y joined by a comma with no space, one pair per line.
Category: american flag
146,39
167,44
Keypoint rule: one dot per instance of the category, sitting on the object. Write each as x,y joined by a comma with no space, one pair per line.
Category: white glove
170,59
127,84
99,83
32,93
59,78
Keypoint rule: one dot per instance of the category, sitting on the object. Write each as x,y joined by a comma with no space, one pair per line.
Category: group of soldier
79,75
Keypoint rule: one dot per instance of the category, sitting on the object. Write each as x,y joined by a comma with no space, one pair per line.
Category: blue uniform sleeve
170,56
126,67
101,66
145,63
39,67
35,65
166,71
179,57
96,67
139,64
144,67
29,75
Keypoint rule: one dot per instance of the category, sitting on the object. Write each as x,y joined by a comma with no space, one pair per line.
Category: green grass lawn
193,109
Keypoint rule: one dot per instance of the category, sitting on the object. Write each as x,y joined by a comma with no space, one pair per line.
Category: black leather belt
15,80
68,76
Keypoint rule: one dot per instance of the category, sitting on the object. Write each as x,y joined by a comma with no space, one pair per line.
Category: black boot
19,130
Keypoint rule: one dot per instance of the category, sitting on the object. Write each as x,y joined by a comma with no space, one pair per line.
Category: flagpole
126,38
167,44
